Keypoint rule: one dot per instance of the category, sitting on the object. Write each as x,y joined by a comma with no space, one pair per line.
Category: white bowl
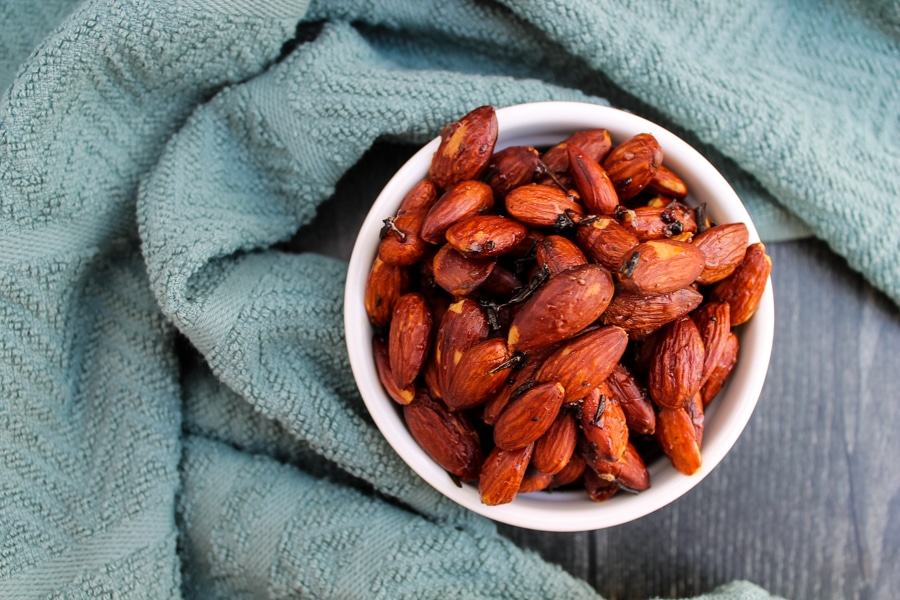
543,124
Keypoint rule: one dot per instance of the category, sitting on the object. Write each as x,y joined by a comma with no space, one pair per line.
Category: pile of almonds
552,319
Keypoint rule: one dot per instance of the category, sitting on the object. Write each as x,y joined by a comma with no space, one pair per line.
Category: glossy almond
666,182
659,266
640,315
449,438
598,490
460,275
713,321
521,379
529,416
463,325
603,424
605,241
595,142
535,480
384,286
409,337
401,243
678,440
421,196
511,167
721,370
465,199
658,222
571,473
486,235
542,205
480,372
383,367
553,450
558,254
465,148
632,164
743,290
629,472
583,362
723,247
502,473
697,412
676,367
598,194
632,397
567,303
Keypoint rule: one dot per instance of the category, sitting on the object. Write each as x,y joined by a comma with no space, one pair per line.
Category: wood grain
807,504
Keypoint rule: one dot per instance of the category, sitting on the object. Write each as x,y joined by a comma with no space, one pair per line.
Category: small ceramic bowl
543,124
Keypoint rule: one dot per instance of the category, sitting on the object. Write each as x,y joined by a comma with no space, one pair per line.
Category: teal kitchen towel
177,414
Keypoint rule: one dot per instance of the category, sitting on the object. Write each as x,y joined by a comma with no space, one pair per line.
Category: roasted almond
605,241
598,490
678,440
676,367
480,372
669,220
721,369
697,413
465,199
401,243
659,266
529,416
463,325
723,247
713,321
595,142
558,254
743,290
421,196
553,450
571,473
449,438
542,205
502,473
629,472
598,195
632,164
585,361
667,183
603,423
486,235
383,367
384,286
465,148
510,168
640,315
567,303
460,275
409,338
519,382
535,481
639,412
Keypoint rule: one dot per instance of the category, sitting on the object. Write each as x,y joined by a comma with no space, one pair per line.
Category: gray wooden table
807,504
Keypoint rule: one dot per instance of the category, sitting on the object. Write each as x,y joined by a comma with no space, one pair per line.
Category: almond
743,290
669,220
465,148
401,243
629,472
449,438
421,196
639,412
723,247
558,254
667,183
721,370
383,367
598,490
640,315
465,199
463,325
632,164
460,275
535,481
553,450
384,286
502,473
585,361
593,184
529,416
519,382
659,266
510,168
571,473
542,205
480,372
409,338
605,241
678,440
603,423
713,321
676,367
486,235
567,303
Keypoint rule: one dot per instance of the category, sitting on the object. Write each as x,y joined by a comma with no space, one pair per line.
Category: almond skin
567,303
641,315
595,142
449,438
743,290
541,205
584,362
658,222
676,367
384,286
529,416
632,165
510,168
558,254
603,423
553,450
659,266
383,366
502,473
465,148
723,247
465,199
678,440
486,235
605,241
463,325
409,338
598,194
460,275
480,372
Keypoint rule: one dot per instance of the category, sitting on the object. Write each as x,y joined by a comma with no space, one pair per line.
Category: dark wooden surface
807,504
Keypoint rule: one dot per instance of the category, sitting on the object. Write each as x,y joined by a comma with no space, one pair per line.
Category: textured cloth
177,414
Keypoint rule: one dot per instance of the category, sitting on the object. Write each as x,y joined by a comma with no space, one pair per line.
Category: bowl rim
541,124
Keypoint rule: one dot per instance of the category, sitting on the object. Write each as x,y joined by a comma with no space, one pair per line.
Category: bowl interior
544,124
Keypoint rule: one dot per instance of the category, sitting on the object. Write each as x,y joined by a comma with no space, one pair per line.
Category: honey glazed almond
553,318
